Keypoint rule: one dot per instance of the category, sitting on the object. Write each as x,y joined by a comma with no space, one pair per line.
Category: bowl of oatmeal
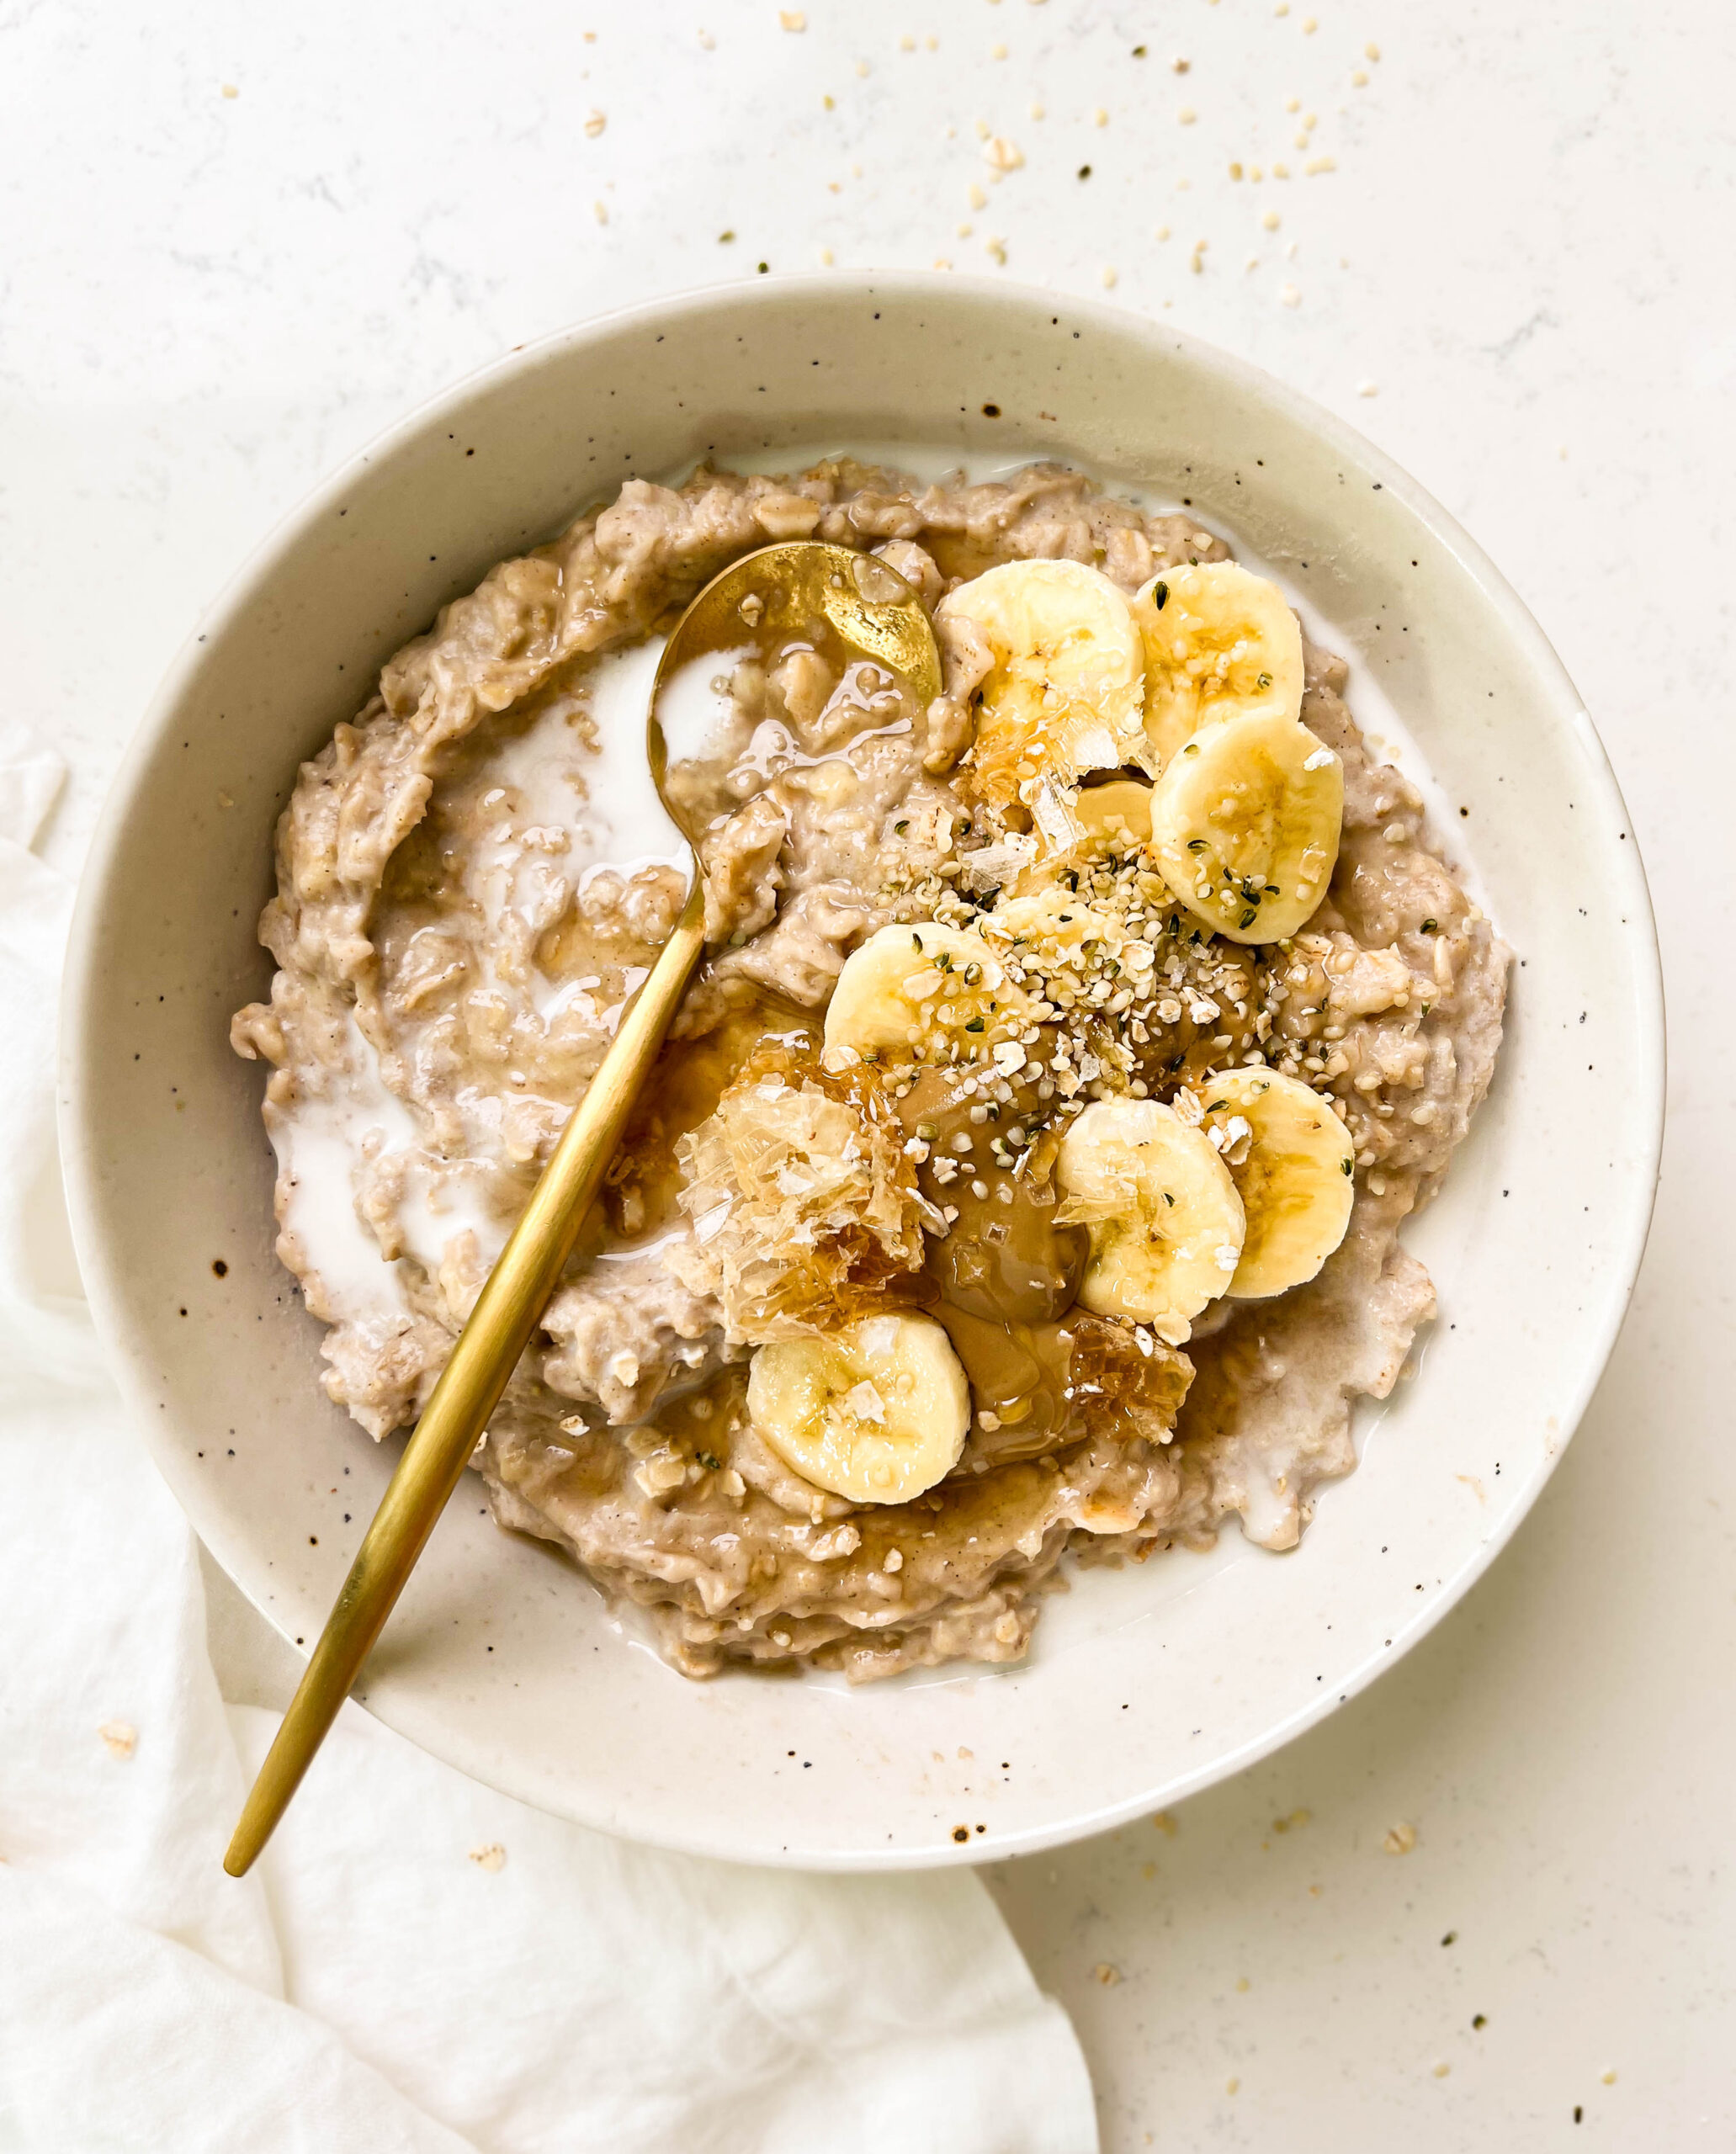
1117,1238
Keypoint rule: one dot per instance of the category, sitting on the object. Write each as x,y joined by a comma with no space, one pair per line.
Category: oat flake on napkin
418,1963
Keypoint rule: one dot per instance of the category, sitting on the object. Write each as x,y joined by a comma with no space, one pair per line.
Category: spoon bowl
801,593
802,587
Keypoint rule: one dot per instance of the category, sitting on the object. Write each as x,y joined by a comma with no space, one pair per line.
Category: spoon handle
470,1387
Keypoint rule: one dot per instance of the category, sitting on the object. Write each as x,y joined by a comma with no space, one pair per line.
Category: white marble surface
206,301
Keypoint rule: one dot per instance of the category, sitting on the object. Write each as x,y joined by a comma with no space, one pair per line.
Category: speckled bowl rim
106,1287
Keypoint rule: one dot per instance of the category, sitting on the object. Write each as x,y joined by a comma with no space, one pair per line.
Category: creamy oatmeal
1025,1168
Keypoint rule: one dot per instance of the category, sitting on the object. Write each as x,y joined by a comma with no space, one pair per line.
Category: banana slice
877,1411
1065,693
917,993
1165,1224
1245,822
1293,1163
1121,810
1217,640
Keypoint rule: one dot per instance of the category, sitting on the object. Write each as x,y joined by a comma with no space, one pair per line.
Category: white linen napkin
418,1963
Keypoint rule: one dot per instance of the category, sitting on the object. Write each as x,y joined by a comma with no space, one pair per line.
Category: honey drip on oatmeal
1006,1274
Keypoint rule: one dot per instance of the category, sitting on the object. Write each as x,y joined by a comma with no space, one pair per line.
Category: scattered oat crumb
1282,7
1367,389
1400,1840
1441,2069
1110,277
997,52
1100,117
1314,1891
792,18
931,44
230,91
223,799
978,199
862,67
1272,220
1293,104
1037,112
1180,67
1187,116
120,1738
907,44
1163,231
1197,263
595,123
707,43
1294,1823
1235,171
1165,1823
1243,1984
1252,262
1371,52
1232,2086
600,211
1359,78
1002,154
1148,1871
826,257
1308,26
491,1856
1104,1973
982,130
963,231
1318,165
995,249
1609,2077
1289,295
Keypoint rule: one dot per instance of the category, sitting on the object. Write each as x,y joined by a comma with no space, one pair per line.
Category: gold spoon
801,587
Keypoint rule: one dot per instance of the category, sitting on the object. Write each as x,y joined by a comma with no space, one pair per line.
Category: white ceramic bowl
1145,1683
